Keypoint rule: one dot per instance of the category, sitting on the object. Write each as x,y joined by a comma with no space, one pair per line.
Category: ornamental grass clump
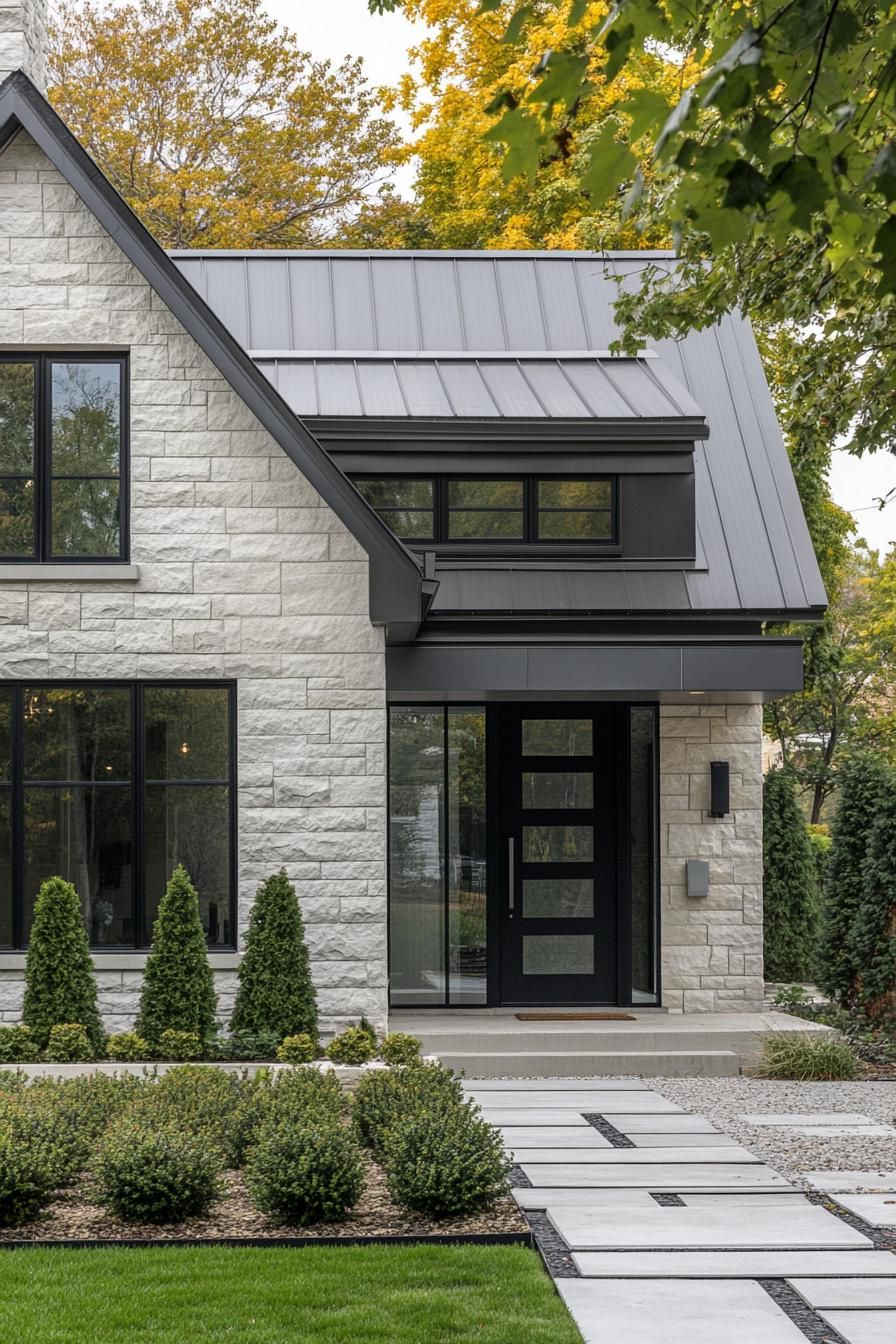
161,1174
60,986
178,988
808,1057
444,1160
276,993
383,1095
305,1170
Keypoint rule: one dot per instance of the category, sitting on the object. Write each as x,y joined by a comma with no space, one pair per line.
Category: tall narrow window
62,458
642,824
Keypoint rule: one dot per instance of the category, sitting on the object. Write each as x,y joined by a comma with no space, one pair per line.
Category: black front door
558,851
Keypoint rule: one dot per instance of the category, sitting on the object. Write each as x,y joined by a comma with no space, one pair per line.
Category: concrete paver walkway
687,1269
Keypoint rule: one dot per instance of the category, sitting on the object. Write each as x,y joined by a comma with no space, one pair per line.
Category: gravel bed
75,1216
724,1100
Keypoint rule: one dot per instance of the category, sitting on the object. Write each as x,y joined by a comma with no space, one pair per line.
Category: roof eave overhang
672,431
396,598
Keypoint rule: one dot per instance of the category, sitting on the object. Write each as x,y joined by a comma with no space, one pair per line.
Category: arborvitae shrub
275,993
178,987
59,980
873,934
788,883
861,782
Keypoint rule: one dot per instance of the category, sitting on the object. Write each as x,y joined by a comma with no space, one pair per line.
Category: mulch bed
73,1216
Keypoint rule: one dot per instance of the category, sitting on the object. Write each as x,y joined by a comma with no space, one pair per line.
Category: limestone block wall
712,946
23,39
243,573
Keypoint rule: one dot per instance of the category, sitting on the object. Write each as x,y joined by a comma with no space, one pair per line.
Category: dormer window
62,472
495,509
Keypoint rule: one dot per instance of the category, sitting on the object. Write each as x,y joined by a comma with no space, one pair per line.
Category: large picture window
111,786
499,510
63,475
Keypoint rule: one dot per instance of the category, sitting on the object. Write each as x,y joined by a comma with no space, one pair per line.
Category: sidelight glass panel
190,824
558,789
416,855
557,737
6,867
466,856
83,833
642,811
558,954
558,844
558,898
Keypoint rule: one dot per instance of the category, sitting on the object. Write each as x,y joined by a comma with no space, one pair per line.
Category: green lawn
321,1295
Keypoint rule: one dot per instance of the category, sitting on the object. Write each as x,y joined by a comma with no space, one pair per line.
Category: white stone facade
23,39
711,946
243,574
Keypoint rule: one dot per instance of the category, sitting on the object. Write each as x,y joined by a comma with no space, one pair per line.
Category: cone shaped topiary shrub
788,882
178,988
275,992
860,785
873,934
59,981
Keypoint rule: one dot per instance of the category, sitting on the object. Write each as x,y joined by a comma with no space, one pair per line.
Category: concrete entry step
591,1064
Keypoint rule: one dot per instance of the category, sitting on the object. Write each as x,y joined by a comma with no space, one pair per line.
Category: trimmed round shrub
158,1175
445,1161
398,1047
59,981
26,1180
179,1046
127,1048
298,1049
305,1171
352,1046
17,1045
69,1044
384,1095
198,1100
243,1047
30,1122
807,1058
299,1093
178,987
275,993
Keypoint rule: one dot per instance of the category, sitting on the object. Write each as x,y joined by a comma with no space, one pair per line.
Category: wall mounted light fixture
719,789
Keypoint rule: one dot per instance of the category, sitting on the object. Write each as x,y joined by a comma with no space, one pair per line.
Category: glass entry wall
437,856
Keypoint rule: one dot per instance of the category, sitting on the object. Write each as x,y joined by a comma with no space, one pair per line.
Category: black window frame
139,783
530,540
43,476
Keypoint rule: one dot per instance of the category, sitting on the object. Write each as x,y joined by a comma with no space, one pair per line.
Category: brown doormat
575,1017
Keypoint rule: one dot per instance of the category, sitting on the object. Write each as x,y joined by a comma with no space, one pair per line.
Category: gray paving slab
555,1085
663,1124
847,1293
863,1327
566,1136
584,1199
627,1157
683,1141
600,1103
517,1116
878,1210
851,1181
845,1131
731,1264
769,1198
719,1176
669,1311
784,1119
709,1228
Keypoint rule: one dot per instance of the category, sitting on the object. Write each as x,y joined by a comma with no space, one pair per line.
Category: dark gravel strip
610,1132
666,1200
551,1246
802,1315
518,1178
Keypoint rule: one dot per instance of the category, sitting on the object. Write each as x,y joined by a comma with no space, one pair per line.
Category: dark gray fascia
671,433
395,577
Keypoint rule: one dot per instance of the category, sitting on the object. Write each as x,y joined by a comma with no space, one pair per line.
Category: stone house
380,567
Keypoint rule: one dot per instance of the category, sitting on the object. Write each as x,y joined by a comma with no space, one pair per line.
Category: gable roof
354,333
395,573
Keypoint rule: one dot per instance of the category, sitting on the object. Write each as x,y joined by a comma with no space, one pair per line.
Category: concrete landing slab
672,1312
687,1228
878,1210
863,1327
785,1119
565,1136
847,1293
683,1141
682,1176
584,1199
851,1181
594,1103
731,1264
662,1124
555,1085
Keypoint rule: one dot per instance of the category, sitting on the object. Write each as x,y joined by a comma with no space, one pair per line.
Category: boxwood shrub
355,1045
398,1047
443,1160
127,1048
382,1095
298,1093
69,1044
17,1045
298,1049
305,1170
159,1175
199,1100
26,1180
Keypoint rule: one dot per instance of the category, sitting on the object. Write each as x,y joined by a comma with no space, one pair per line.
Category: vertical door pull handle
511,883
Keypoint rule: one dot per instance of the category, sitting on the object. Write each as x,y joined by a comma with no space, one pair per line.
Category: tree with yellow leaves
218,130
